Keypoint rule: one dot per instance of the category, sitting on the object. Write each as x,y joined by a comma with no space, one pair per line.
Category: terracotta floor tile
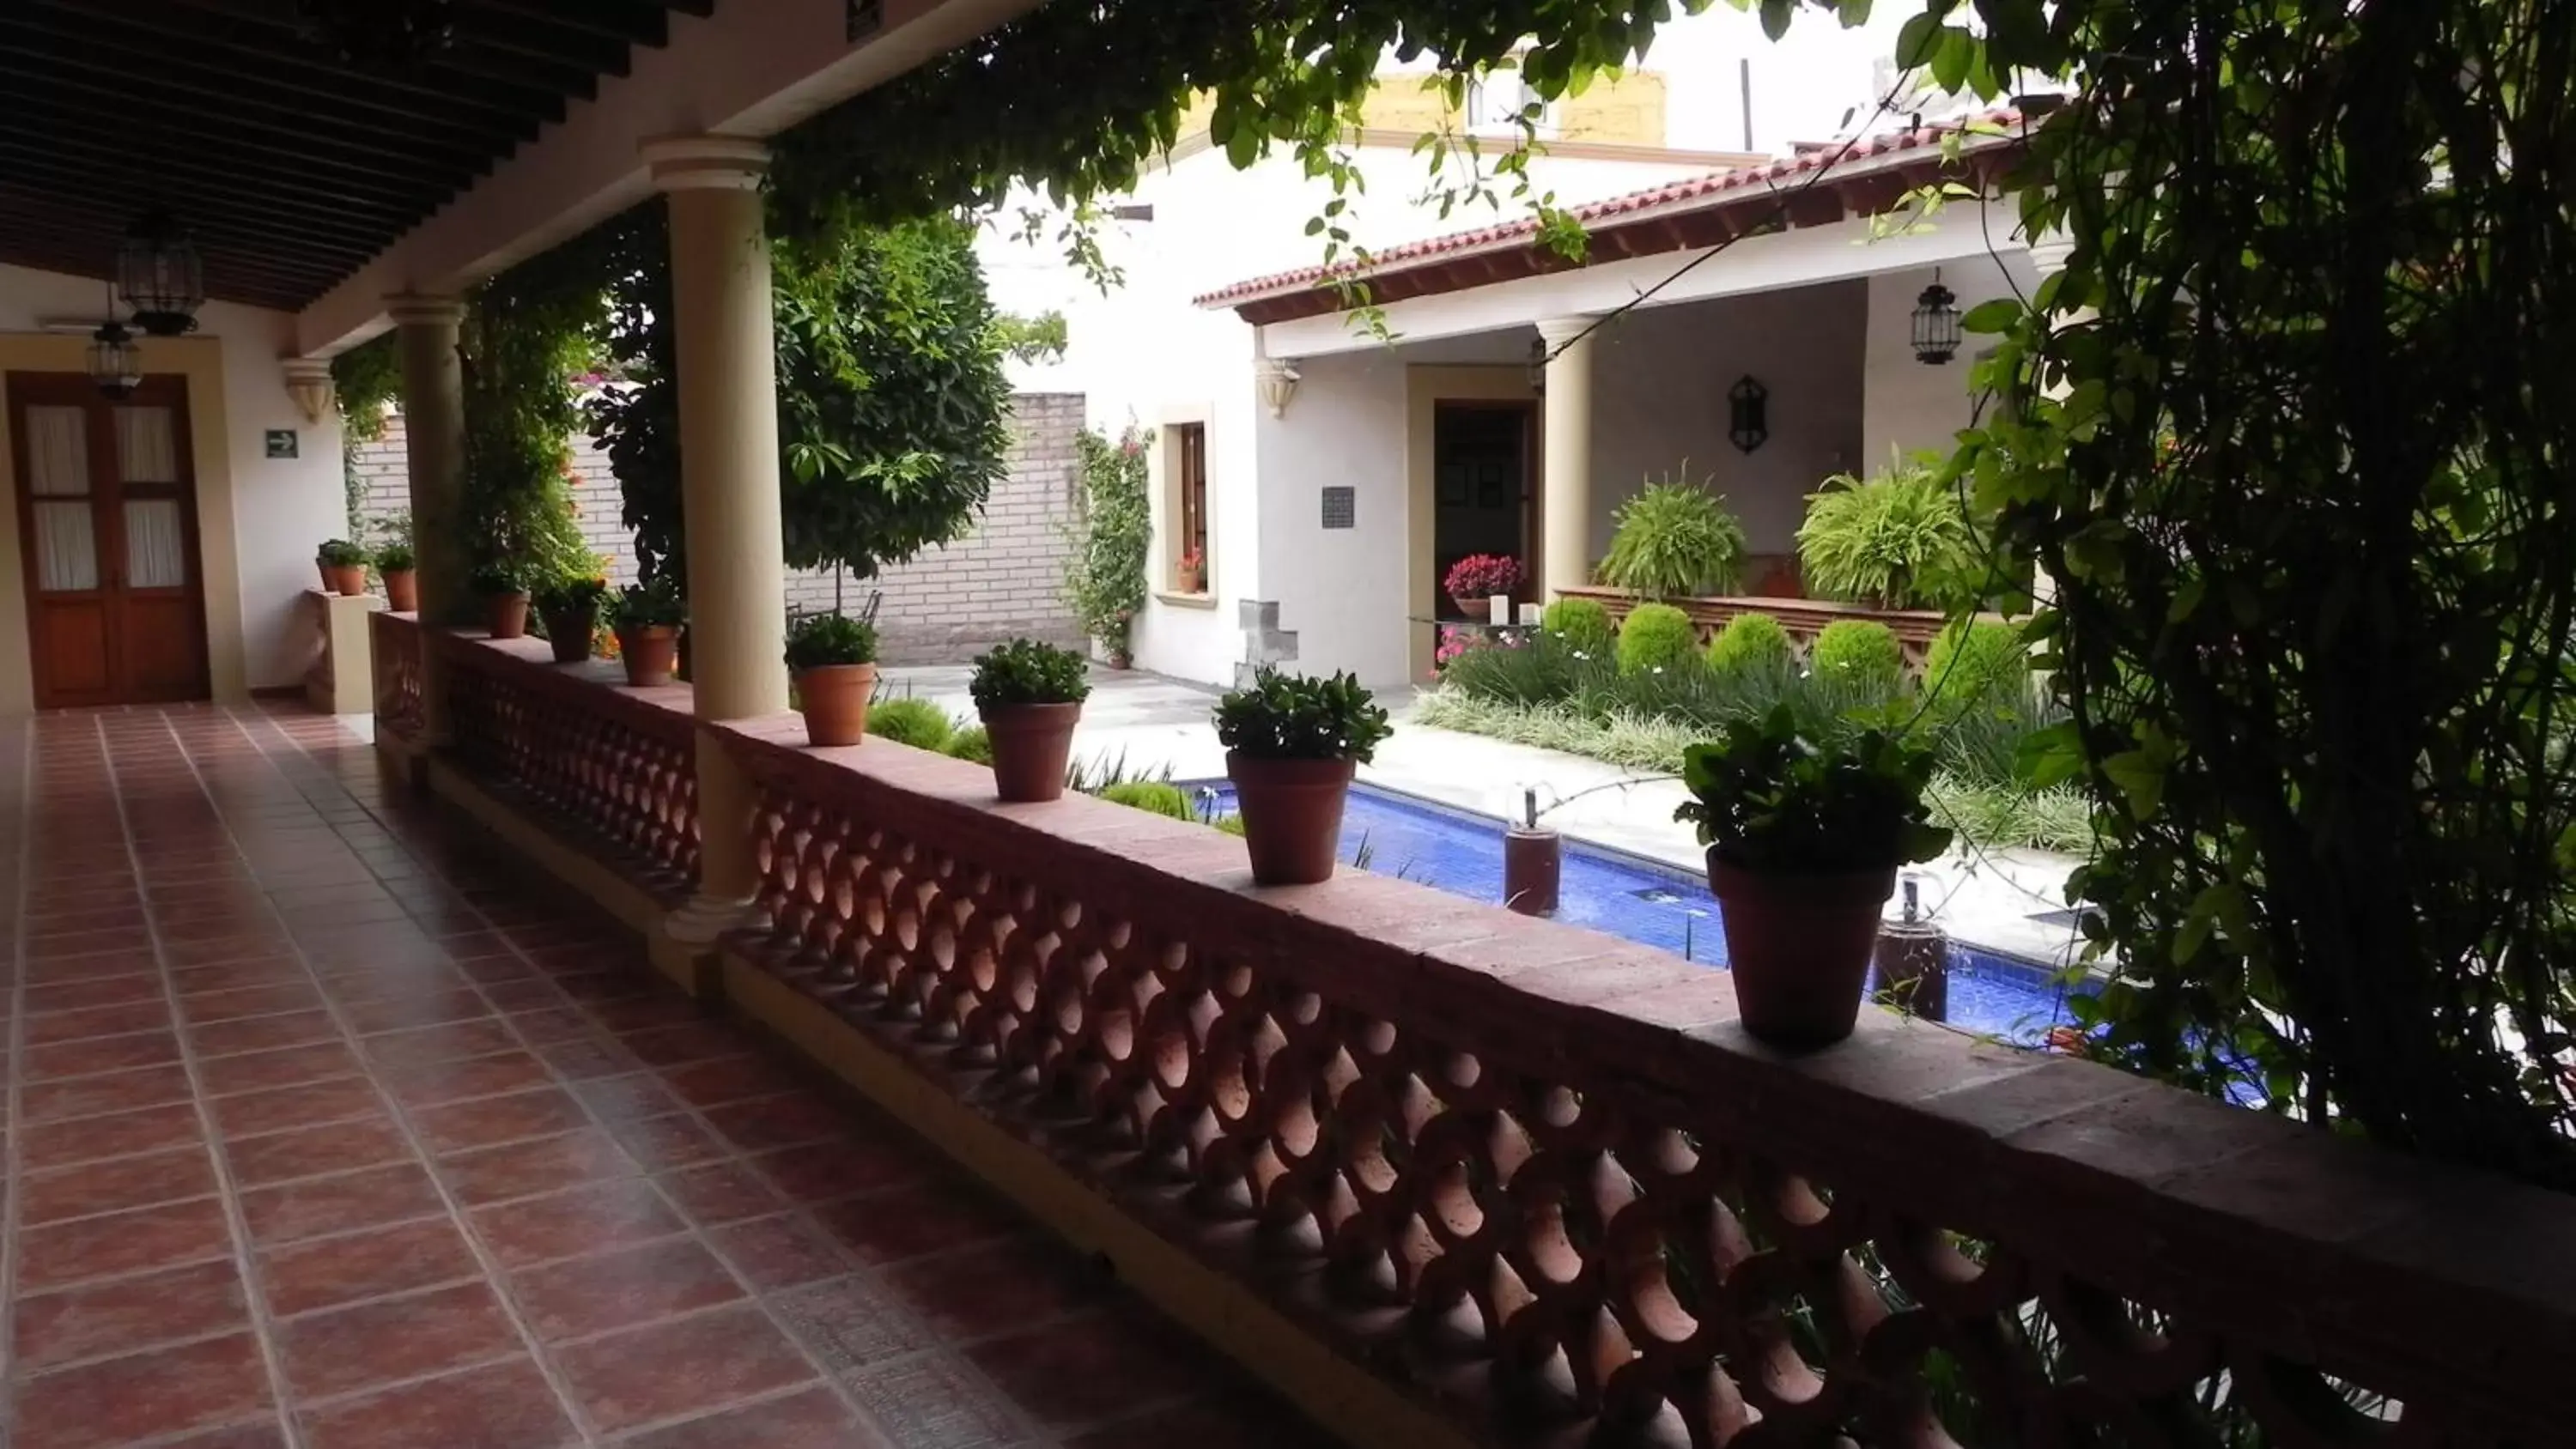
490,1121
1094,1368
813,1419
123,1019
838,1169
183,954
673,1046
932,1216
626,1099
345,1349
849,1323
934,1401
167,1391
524,994
108,991
311,1104
670,1142
262,1433
586,1220
127,1314
400,1013
552,1024
118,1185
588,1056
622,1289
440,1043
645,1013
238,975
363,988
120,1134
104,1054
795,1119
340,1204
247,1001
680,1367
108,1092
313,1151
498,1406
262,1033
1242,1420
122,1244
301,1277
429,1084
286,1067
1001,1288
779,1252
542,1165
722,1192
731,1079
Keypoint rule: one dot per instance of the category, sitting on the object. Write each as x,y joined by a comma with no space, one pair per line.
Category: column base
706,917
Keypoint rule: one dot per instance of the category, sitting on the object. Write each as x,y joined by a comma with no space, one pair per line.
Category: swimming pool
1640,900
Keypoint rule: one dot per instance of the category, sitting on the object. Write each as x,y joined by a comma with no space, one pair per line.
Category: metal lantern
115,362
160,276
1936,323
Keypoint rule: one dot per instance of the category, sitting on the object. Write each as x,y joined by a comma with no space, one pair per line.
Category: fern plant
1674,539
1899,540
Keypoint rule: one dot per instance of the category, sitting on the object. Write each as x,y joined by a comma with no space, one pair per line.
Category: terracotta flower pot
1473,608
570,631
834,701
1192,581
1031,745
1120,659
1799,946
651,653
345,579
1292,815
508,614
402,590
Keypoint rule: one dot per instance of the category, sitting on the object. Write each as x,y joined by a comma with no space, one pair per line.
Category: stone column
433,404
1565,491
729,490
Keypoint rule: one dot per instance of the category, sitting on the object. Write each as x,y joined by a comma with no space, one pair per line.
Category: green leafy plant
1899,540
564,596
1105,578
654,605
1769,798
1657,637
1674,539
1583,624
911,721
1751,641
493,580
820,640
1027,671
970,743
1980,665
394,558
527,337
1040,338
1300,717
1230,824
339,553
1156,796
1860,651
1090,777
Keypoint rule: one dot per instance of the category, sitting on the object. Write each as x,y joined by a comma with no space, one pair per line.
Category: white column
728,383
1565,484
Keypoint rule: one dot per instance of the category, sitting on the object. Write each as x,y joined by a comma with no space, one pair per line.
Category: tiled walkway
331,1125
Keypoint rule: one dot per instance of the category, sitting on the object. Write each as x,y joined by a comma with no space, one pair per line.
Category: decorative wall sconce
308,381
1936,323
1278,384
1748,422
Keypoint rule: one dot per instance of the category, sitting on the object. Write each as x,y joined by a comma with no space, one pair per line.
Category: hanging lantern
1936,323
115,362
160,276
394,36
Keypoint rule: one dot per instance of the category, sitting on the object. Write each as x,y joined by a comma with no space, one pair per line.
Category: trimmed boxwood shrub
1973,665
914,722
1750,641
1584,625
1860,651
1657,636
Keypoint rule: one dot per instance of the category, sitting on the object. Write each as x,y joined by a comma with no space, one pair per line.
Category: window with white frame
1497,100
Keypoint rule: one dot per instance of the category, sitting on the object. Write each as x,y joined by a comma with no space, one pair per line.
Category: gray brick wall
1004,578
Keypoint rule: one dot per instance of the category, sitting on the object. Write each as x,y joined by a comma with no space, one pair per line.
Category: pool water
1640,900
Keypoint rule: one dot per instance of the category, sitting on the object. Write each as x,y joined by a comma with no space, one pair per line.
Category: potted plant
344,567
1030,695
570,608
1674,540
648,618
1472,582
1804,839
1191,572
505,599
834,660
1292,745
395,565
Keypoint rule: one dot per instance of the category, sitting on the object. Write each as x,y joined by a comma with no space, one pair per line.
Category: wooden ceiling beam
220,240
464,56
102,110
195,202
77,249
630,22
359,191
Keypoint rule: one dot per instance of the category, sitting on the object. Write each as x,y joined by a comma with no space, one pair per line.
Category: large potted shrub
1899,540
401,573
570,609
1472,582
1030,695
505,599
1292,744
1674,540
648,618
343,565
1804,839
834,660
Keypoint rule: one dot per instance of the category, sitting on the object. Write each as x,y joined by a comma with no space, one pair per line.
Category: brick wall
1002,579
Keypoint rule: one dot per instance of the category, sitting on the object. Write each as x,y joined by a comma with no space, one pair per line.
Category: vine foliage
1114,535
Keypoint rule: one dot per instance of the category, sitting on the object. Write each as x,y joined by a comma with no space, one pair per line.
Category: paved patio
335,1127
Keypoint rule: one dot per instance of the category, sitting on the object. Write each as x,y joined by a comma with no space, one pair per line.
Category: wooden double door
107,529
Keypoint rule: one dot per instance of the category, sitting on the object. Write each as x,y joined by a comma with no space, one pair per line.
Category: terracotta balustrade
1804,619
1537,1175
576,741
395,651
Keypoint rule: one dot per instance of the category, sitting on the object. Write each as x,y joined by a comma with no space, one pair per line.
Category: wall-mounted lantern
1936,323
1748,422
1278,384
160,276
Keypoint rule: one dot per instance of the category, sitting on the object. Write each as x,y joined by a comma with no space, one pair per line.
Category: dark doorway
1483,493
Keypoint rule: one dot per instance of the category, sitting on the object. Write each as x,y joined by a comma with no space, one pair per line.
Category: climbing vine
364,382
1113,537
528,337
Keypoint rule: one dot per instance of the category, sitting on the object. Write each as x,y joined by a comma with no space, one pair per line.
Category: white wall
1341,589
258,522
1910,404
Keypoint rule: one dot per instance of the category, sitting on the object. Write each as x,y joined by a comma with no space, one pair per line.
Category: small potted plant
648,618
1804,839
1191,572
344,567
401,573
505,599
1472,582
1292,745
570,608
1030,695
834,660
